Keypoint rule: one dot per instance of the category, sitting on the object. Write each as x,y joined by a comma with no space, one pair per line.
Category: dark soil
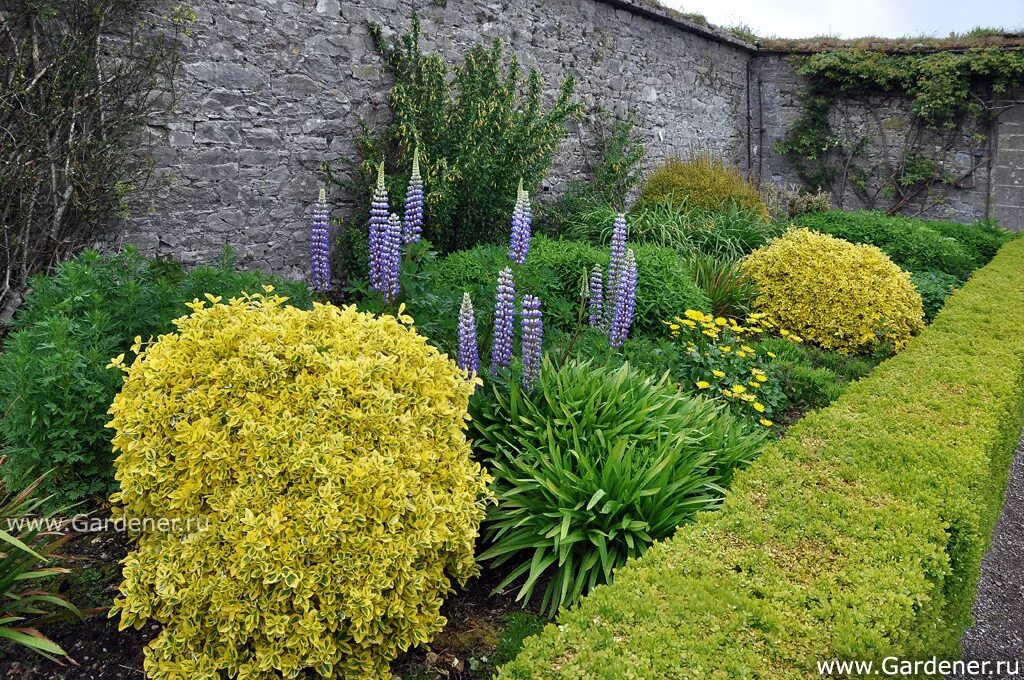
465,650
98,650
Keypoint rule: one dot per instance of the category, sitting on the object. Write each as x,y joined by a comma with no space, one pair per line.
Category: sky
857,18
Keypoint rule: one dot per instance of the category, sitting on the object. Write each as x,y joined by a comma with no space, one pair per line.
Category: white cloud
858,18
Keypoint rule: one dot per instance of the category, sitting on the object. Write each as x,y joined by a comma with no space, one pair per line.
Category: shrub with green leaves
859,535
556,271
480,128
703,182
594,466
55,384
913,244
935,288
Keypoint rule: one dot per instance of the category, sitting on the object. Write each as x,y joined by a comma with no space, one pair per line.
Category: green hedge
857,536
913,243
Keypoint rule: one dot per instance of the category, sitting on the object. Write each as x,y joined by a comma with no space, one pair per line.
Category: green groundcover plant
55,384
857,536
594,466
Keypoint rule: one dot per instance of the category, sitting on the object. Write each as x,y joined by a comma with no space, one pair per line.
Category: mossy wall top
269,89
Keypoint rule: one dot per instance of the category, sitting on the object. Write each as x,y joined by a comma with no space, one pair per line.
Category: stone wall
269,89
883,124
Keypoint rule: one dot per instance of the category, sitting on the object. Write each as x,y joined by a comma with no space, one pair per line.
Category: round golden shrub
303,488
700,182
841,296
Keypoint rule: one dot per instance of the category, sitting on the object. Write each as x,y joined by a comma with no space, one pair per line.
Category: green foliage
914,244
811,377
55,384
614,173
702,182
935,288
727,234
516,627
480,128
556,271
837,295
857,536
317,487
729,291
982,240
25,550
592,468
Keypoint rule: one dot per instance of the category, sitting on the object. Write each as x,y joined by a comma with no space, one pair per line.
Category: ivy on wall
945,89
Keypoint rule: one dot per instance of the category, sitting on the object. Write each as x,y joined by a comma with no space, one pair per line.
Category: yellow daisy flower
703,384
759,407
766,422
718,374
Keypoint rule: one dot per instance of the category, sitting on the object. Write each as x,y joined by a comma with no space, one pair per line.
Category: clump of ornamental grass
593,466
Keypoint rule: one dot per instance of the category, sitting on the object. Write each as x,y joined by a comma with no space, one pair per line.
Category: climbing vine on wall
946,89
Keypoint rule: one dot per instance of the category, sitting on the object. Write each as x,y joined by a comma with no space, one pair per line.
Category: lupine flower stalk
412,222
320,246
504,320
625,303
596,301
379,211
391,258
469,355
532,332
616,265
522,217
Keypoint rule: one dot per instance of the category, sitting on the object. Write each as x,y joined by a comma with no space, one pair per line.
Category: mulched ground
99,651
998,634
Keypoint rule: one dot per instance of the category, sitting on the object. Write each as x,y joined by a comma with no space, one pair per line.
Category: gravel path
998,634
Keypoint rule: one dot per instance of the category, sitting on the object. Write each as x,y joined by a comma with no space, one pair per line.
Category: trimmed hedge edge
858,536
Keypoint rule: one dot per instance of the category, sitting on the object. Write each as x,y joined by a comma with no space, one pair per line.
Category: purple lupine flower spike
391,260
469,355
532,332
379,211
412,222
596,301
625,303
504,320
320,246
522,216
616,265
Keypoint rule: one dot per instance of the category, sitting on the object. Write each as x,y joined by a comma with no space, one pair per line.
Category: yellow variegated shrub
316,483
841,296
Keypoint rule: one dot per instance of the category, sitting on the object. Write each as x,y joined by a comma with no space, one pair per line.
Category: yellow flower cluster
324,491
840,296
714,327
716,341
